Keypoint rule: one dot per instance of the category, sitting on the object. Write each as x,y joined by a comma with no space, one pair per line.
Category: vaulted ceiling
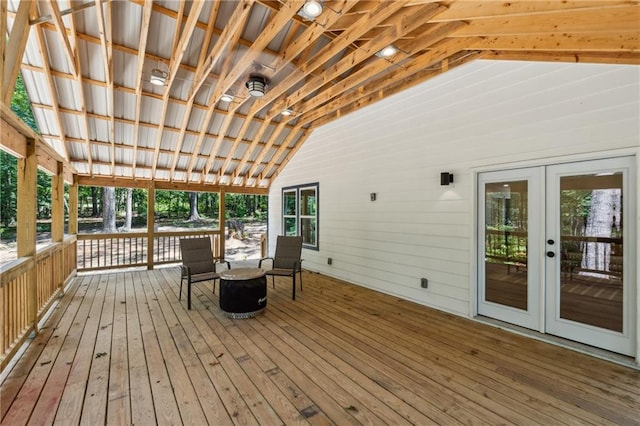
87,67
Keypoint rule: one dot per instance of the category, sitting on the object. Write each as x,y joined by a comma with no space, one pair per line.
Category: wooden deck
121,349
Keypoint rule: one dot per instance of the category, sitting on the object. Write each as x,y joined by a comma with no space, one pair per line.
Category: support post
151,223
73,206
26,230
57,221
221,221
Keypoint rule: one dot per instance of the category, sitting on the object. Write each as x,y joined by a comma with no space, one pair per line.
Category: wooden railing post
73,207
26,230
151,222
221,221
57,222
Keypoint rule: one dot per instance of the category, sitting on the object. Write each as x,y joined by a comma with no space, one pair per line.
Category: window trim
297,189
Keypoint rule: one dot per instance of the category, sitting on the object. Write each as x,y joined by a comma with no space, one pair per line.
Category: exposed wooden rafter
321,69
15,46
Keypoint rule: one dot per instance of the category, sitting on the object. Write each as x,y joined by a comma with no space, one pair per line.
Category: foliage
21,106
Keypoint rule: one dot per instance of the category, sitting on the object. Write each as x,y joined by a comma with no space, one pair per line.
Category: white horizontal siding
480,115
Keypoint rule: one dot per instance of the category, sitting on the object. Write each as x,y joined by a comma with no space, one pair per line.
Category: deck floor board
121,348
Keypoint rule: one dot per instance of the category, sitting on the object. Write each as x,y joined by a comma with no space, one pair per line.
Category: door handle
551,254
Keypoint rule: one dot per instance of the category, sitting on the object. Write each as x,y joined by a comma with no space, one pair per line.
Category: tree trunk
94,202
108,210
193,206
129,210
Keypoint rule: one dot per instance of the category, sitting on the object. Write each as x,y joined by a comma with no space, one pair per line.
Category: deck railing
28,287
124,250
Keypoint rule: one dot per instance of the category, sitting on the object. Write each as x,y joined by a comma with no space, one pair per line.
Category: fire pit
243,292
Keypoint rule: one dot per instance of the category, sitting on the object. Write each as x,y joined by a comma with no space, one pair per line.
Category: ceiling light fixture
387,52
287,111
257,85
311,10
158,77
227,97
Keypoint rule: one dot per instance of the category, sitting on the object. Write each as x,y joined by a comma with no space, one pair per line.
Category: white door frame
624,342
633,258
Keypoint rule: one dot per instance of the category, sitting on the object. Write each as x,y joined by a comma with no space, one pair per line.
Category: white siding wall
480,116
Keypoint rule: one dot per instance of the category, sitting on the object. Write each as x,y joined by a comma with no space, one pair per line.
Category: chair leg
293,296
181,280
273,281
300,279
189,293
214,286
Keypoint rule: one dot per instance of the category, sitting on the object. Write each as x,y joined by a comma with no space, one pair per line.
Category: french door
556,250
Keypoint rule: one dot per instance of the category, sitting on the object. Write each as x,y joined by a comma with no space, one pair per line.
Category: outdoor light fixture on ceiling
227,97
287,111
387,52
311,10
158,77
256,85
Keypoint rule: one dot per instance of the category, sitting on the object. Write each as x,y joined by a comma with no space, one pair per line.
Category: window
300,213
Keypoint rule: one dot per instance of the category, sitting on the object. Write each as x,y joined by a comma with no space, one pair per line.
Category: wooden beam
57,205
80,90
142,49
151,222
590,21
15,48
627,58
580,42
265,150
122,182
27,208
282,148
267,34
401,23
410,77
72,56
229,37
176,59
305,42
533,10
3,45
439,51
26,229
279,167
432,34
234,25
52,89
73,208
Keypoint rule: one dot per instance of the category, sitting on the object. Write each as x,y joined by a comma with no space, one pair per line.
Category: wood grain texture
339,354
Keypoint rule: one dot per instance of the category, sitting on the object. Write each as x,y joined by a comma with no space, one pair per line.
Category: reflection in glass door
556,246
507,270
590,296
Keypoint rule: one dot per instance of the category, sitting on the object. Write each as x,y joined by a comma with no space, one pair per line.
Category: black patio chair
287,261
198,264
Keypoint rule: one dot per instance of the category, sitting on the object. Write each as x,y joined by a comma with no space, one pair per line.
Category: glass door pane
591,241
506,223
509,243
590,238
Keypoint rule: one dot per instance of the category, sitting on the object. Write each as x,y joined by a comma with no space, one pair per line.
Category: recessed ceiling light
387,52
311,10
158,77
227,97
287,111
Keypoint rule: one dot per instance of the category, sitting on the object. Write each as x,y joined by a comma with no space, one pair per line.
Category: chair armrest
185,271
264,258
222,261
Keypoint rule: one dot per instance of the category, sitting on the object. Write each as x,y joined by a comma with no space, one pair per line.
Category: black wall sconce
373,196
446,178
